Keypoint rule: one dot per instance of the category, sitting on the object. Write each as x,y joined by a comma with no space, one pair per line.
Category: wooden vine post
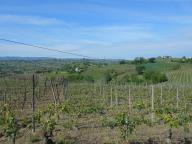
152,104
103,89
53,92
177,97
129,99
100,89
111,95
25,98
33,102
161,98
116,96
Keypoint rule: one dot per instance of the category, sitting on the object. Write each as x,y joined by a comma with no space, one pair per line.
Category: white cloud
23,19
113,33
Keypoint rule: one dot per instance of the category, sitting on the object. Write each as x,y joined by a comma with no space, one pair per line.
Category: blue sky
97,28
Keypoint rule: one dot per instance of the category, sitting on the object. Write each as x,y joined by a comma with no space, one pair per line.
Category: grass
34,139
162,66
98,72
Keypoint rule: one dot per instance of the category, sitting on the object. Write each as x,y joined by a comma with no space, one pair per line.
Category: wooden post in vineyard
129,99
53,92
100,89
152,104
25,98
103,89
5,92
33,102
161,98
95,89
177,97
116,95
5,96
146,87
66,85
111,95
58,93
63,89
183,90
169,90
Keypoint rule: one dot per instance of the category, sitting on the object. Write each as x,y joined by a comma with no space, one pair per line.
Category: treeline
183,60
142,60
139,60
44,66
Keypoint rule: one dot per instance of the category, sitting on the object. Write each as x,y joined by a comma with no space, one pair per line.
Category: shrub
155,77
140,69
125,79
75,77
111,123
127,125
131,78
107,77
88,78
34,138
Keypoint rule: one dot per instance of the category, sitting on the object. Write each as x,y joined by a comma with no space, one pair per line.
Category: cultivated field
40,109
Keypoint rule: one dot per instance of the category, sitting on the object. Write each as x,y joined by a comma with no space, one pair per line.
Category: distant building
166,57
77,69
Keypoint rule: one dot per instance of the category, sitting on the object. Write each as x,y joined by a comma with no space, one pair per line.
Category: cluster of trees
142,60
44,66
142,76
151,75
139,60
29,66
155,77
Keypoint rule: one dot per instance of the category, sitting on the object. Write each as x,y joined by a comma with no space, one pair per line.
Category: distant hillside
10,58
24,58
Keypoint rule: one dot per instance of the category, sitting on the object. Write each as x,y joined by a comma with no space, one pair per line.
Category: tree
139,60
140,69
107,77
122,62
152,60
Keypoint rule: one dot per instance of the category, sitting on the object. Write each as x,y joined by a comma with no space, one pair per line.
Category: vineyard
180,77
37,109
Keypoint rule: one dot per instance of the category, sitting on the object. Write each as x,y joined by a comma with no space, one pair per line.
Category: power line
45,48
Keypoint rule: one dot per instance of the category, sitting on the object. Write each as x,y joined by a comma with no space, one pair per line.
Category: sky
111,29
